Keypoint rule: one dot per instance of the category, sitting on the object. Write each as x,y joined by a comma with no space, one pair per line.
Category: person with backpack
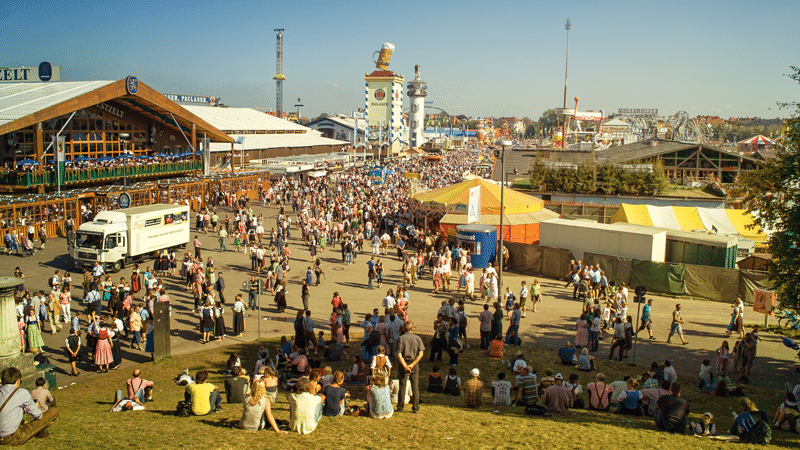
751,425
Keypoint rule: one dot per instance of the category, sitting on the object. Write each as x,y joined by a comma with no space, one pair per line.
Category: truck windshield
88,240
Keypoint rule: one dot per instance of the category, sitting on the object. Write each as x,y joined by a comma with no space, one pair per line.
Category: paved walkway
547,329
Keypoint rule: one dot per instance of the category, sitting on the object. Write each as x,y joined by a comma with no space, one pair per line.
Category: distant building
339,127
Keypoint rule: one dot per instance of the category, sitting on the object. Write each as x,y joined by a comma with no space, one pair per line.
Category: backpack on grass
760,433
184,409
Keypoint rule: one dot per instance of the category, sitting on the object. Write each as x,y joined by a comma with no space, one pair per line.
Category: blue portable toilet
481,240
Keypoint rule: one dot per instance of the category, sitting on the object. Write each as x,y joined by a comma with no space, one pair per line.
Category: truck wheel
117,266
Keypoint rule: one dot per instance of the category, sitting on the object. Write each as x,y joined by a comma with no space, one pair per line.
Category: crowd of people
347,210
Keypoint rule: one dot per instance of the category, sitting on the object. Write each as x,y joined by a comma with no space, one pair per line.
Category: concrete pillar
9,330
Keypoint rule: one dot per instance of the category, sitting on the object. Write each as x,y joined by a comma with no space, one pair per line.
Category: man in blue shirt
646,319
371,271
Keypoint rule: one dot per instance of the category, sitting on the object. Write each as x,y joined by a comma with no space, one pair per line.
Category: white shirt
670,375
523,293
389,302
122,403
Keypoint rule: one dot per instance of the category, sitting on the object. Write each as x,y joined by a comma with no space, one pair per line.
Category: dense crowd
368,219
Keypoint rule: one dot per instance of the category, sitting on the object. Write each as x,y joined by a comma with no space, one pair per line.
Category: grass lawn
443,422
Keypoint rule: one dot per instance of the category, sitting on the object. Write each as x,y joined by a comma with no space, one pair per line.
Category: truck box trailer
124,236
606,239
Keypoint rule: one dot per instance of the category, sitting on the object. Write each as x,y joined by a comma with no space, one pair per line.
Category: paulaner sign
42,73
180,98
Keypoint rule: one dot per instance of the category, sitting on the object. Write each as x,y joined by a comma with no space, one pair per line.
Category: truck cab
104,240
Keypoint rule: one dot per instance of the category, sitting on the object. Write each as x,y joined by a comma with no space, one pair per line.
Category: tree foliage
589,179
773,193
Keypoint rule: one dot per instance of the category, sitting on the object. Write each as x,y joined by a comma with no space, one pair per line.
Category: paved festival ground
545,330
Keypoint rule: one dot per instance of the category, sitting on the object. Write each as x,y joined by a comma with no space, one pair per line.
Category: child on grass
435,381
501,391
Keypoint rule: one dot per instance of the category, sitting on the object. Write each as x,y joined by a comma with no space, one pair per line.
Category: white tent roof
267,141
18,100
242,119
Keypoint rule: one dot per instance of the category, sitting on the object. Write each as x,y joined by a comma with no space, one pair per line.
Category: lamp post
125,153
504,144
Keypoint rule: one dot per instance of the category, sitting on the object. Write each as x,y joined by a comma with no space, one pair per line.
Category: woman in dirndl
219,322
238,315
136,284
103,355
33,332
207,320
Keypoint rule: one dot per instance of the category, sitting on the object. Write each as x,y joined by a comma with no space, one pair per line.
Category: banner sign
763,302
192,99
42,73
474,208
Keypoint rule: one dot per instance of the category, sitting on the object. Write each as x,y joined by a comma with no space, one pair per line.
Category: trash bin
49,374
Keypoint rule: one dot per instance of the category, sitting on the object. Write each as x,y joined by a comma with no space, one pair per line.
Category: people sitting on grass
41,395
585,361
379,397
299,364
257,410
630,399
205,397
599,393
650,398
335,396
547,380
435,381
557,398
787,415
305,408
496,347
236,386
567,354
357,373
501,391
314,386
452,383
473,390
518,364
138,387
575,387
672,411
619,387
751,424
526,388
18,401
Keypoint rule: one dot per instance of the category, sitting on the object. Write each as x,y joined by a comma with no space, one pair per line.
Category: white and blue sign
180,98
132,85
42,73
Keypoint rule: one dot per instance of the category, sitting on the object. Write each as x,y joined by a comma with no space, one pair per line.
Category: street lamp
125,154
504,144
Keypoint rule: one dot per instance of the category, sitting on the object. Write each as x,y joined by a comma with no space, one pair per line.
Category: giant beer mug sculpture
384,55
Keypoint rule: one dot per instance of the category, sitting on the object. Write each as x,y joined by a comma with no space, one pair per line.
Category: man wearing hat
557,398
473,389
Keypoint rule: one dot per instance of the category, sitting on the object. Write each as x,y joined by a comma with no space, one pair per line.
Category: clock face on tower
380,94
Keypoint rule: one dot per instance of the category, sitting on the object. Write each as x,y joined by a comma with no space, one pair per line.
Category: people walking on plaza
646,319
676,327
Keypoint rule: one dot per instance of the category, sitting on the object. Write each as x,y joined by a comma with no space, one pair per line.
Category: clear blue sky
500,58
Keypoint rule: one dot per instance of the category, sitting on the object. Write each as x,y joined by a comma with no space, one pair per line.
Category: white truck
124,236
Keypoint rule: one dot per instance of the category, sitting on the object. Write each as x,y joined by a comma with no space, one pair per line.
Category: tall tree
773,192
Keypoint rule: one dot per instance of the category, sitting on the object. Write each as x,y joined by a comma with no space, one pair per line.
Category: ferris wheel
700,131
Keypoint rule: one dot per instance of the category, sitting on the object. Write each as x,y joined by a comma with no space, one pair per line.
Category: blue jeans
251,299
513,329
222,247
594,338
349,257
370,282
